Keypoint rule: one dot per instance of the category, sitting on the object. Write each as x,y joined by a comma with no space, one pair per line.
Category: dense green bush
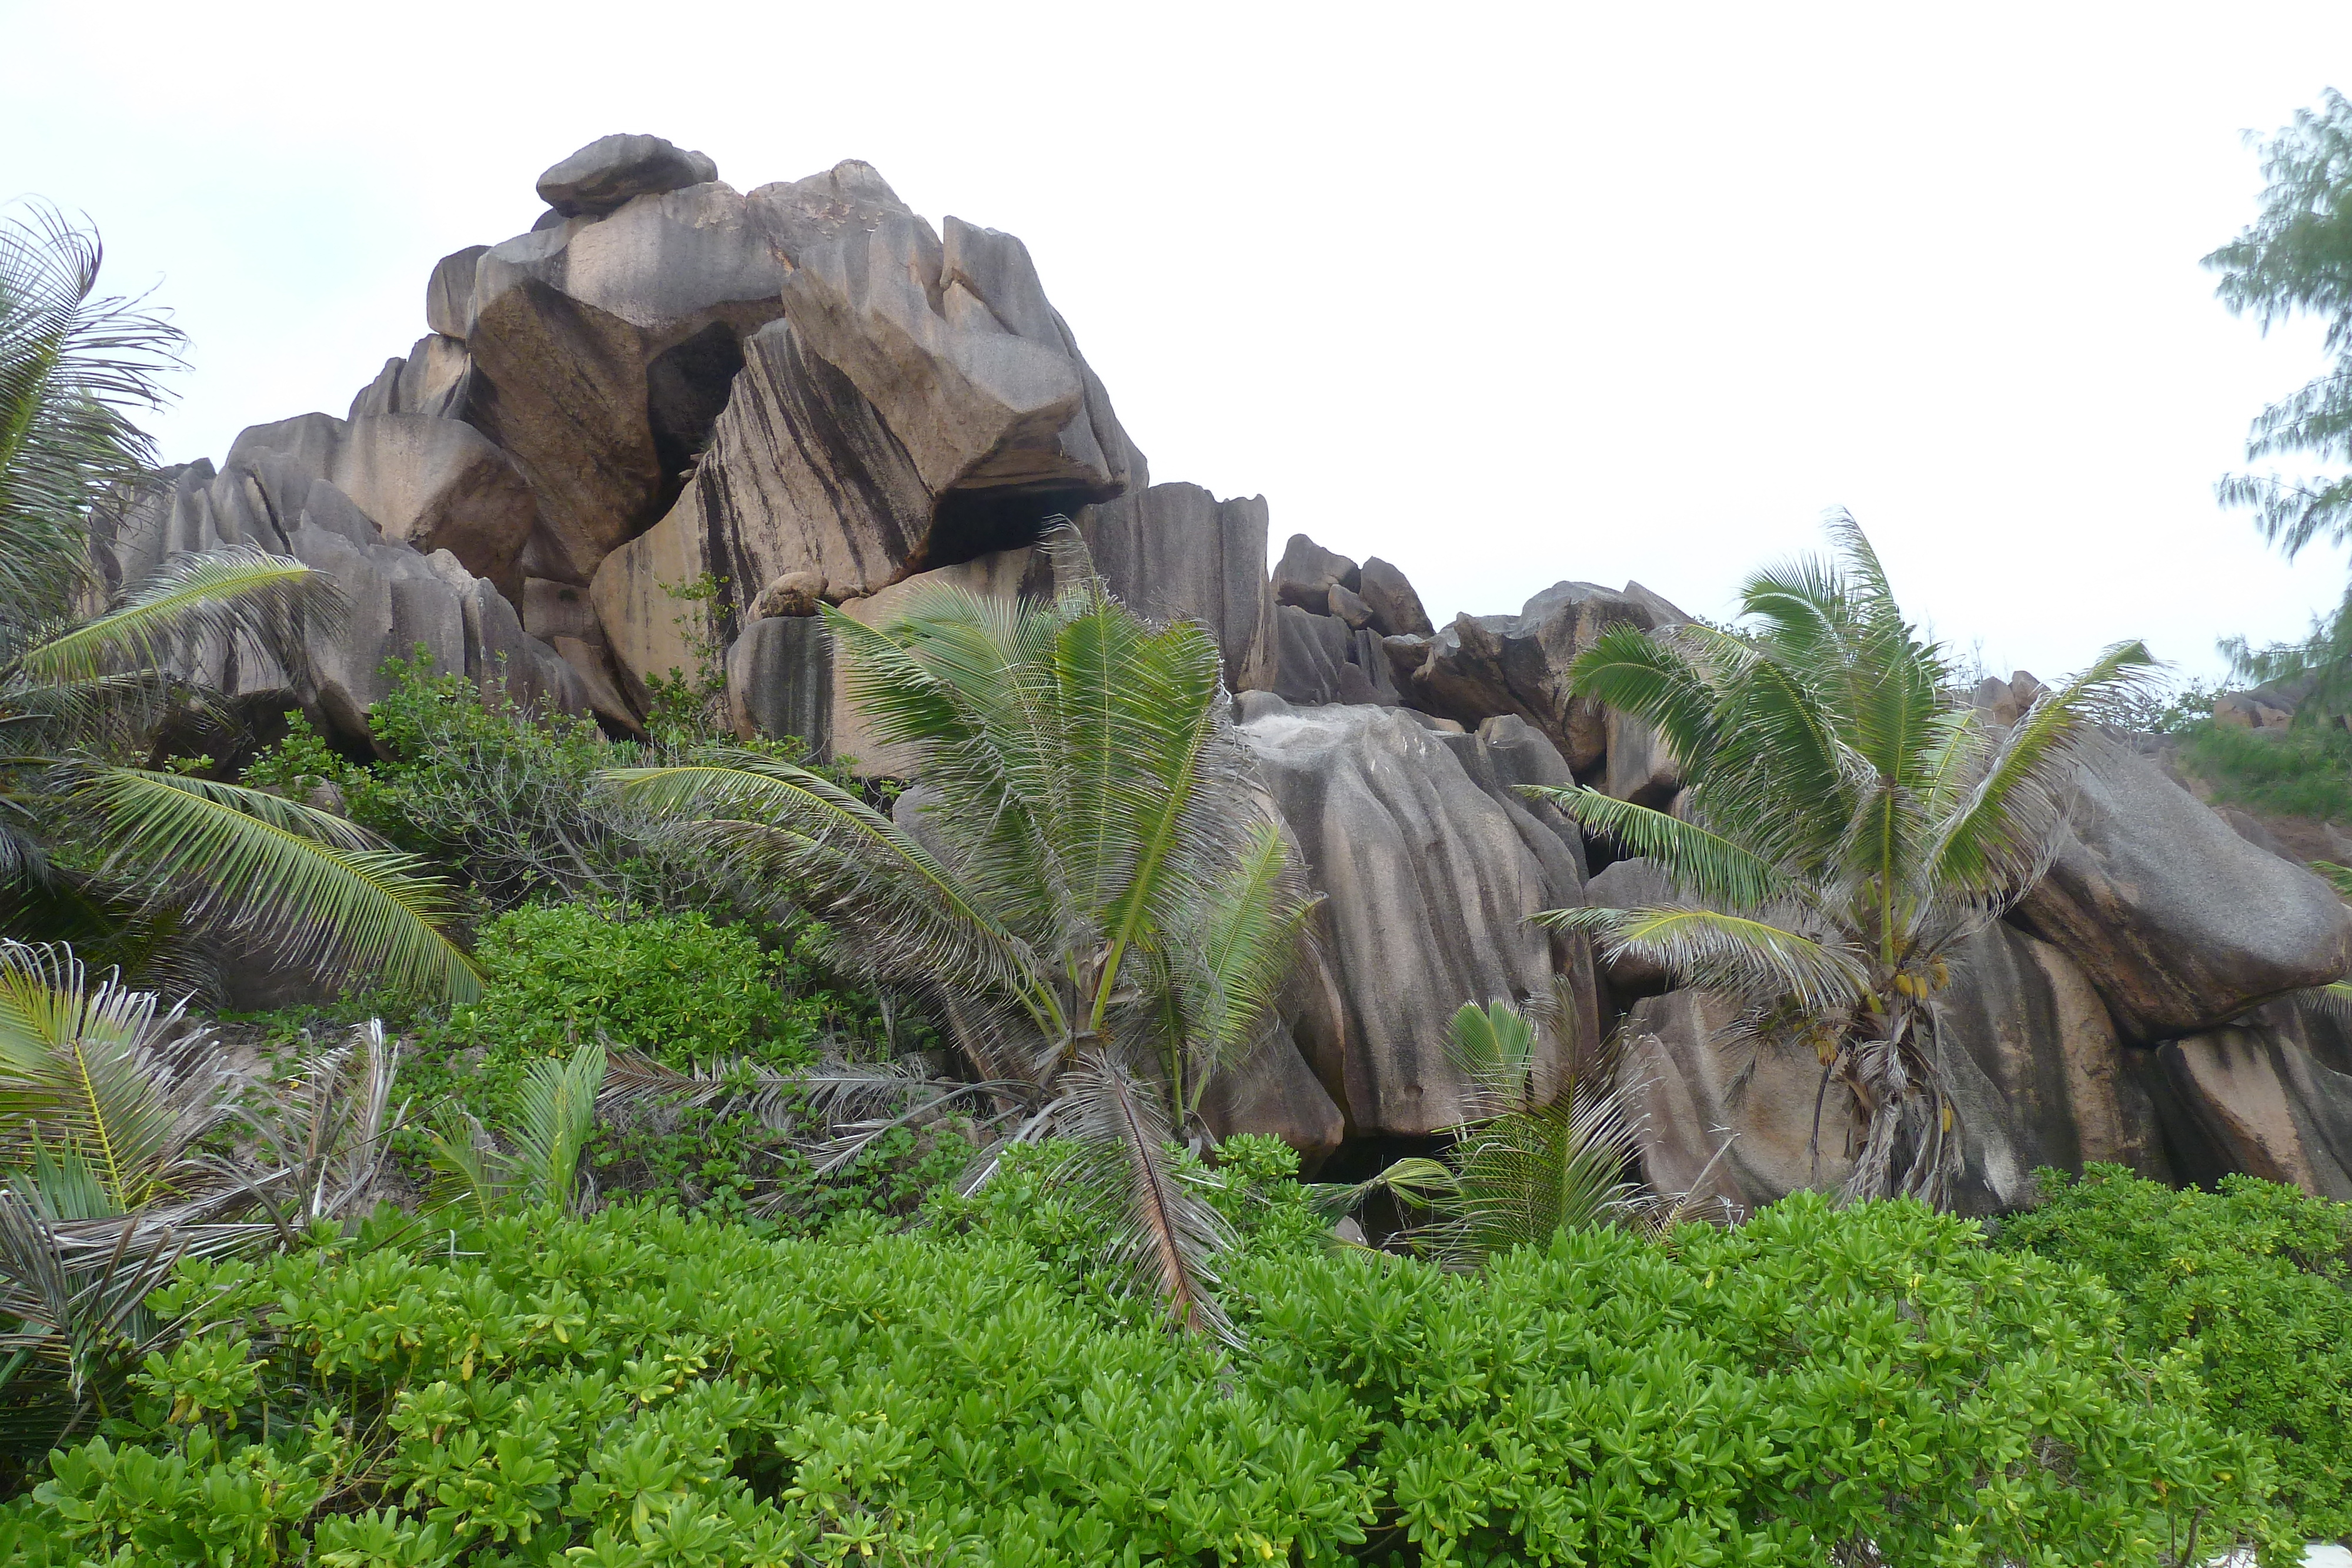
2305,771
676,987
2248,1286
639,1388
506,798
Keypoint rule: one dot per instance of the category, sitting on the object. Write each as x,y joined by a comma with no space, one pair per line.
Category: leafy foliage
80,693
72,366
2305,772
636,1388
1104,919
2249,1287
2296,255
1850,818
1534,1161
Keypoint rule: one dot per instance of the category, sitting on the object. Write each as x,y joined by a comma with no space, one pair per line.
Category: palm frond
1712,866
98,1078
302,884
2001,836
72,365
326,1132
1241,951
913,915
1652,677
1173,1233
555,1110
239,595
1717,951
1495,1047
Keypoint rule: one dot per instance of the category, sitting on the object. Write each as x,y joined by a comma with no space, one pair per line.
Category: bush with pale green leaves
2248,1286
637,1388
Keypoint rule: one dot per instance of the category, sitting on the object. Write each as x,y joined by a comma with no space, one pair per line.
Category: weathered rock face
399,597
1175,552
2254,1098
800,476
1306,574
2182,924
1318,659
433,484
780,682
2034,1062
1486,664
954,346
1395,607
1428,884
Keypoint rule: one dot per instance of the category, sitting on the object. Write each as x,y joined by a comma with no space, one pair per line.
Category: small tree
2296,255
1850,818
1100,905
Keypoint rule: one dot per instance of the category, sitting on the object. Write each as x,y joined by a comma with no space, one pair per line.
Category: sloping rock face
2270,1095
2181,923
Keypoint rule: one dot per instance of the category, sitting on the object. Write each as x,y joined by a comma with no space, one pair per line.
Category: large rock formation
1480,665
656,432
2033,1061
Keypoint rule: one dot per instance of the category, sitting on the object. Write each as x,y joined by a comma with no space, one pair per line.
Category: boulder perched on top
1389,595
1307,572
1485,664
610,170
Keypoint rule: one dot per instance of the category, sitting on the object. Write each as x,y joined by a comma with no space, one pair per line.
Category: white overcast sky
1504,293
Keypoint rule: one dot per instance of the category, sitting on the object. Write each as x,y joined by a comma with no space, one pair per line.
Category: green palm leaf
1716,951
236,595
1707,863
302,884
2000,834
70,363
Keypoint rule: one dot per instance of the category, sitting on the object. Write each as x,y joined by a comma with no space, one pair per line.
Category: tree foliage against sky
2296,257
94,849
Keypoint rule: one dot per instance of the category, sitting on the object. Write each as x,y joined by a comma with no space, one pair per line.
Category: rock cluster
658,430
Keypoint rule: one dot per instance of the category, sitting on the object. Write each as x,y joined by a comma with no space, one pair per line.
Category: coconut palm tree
1850,818
93,848
1088,887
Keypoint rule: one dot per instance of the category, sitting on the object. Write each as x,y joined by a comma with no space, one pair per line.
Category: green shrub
676,987
2248,1286
506,798
2305,771
640,1388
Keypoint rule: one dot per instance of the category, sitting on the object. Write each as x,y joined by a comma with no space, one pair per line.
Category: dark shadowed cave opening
687,388
969,524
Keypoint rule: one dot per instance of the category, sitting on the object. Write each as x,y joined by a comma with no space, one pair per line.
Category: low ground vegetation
1872,1385
2246,1286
